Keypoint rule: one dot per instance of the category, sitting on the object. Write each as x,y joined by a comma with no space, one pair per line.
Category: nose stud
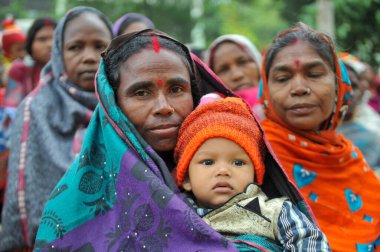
308,90
172,110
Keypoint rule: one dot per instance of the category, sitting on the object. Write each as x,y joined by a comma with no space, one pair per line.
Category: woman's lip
164,126
301,105
88,74
302,109
165,131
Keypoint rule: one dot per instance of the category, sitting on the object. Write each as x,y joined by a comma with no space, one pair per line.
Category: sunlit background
355,24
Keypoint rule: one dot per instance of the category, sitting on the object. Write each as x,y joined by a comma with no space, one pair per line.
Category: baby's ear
186,184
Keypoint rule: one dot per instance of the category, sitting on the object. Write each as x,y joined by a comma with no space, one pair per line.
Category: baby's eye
207,162
238,162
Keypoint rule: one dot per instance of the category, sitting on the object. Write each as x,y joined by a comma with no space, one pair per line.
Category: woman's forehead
154,57
296,53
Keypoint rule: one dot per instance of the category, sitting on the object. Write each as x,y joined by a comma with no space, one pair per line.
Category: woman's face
42,43
85,37
155,94
235,67
301,86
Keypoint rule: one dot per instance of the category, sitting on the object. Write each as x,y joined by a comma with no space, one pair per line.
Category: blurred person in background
374,88
364,113
359,126
50,123
131,22
13,48
237,62
23,76
13,44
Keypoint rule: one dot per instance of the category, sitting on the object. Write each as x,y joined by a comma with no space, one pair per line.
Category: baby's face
219,170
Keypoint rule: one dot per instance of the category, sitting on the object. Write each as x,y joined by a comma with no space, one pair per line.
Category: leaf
90,183
57,191
144,217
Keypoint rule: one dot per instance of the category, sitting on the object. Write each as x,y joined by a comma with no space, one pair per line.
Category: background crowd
90,111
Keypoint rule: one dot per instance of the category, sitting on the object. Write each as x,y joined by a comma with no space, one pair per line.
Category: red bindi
294,41
297,63
155,44
160,82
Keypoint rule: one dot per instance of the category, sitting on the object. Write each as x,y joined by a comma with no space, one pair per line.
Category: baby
220,162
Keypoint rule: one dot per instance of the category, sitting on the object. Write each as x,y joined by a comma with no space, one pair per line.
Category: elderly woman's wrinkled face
155,94
235,67
301,86
85,37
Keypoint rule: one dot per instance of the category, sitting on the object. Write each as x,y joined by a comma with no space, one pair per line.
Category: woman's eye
101,47
243,61
238,162
222,70
207,162
41,39
142,93
176,89
74,48
282,79
315,74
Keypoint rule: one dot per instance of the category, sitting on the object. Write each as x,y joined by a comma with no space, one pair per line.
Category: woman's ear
186,184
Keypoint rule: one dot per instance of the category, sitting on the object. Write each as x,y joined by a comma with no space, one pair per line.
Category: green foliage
357,28
172,17
356,24
258,20
15,8
356,21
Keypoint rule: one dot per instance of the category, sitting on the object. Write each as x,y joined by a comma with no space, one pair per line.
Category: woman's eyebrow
315,64
138,85
285,68
178,80
280,68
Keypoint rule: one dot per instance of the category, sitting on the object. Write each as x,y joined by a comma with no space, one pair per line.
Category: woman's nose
91,55
298,87
236,73
162,106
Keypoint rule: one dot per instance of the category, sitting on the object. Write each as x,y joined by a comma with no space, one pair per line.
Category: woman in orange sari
305,91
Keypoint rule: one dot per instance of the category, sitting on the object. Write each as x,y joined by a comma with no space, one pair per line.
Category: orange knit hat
229,118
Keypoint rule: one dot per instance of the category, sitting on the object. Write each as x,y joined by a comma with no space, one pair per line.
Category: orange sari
331,173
